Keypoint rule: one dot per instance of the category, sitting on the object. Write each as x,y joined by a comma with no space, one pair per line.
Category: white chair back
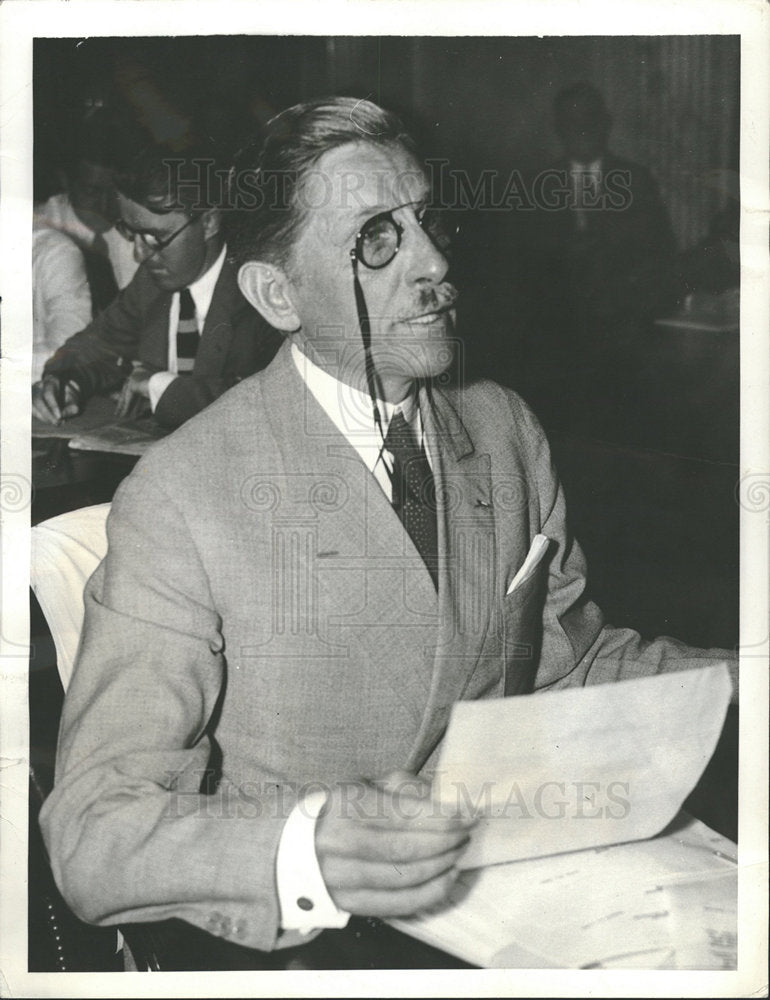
65,552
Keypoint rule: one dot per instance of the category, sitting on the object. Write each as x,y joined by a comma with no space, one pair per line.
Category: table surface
699,324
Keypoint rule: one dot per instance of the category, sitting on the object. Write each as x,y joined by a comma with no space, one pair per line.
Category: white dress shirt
61,298
202,292
350,410
586,181
304,901
58,213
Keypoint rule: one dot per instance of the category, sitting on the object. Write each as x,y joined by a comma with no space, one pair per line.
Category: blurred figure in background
599,250
710,271
86,209
79,260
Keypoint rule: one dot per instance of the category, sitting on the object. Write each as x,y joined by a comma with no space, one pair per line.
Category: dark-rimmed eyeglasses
379,239
150,240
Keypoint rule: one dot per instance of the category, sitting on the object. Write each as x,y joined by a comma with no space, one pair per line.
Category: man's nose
426,261
141,250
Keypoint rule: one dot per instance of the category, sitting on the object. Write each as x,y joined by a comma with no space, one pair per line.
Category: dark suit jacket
261,605
235,342
627,213
618,263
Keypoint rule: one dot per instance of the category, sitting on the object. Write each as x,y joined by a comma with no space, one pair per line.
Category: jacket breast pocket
523,632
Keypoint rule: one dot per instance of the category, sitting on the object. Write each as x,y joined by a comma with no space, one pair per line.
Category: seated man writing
300,585
180,333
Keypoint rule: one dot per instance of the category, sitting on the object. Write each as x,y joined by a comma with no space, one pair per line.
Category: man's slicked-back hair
267,176
93,139
187,177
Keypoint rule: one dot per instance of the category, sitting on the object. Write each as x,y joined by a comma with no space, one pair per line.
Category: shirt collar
59,213
350,410
202,290
594,167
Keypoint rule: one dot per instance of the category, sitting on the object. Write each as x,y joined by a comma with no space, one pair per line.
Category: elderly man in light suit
292,602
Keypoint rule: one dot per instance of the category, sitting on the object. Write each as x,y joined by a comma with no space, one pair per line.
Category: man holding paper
271,650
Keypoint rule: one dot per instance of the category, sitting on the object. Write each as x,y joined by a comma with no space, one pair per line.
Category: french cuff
302,896
157,385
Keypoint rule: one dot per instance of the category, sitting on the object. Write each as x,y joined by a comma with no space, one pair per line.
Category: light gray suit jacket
262,613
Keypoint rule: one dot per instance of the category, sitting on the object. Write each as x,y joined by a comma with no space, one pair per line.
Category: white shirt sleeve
61,303
157,385
304,901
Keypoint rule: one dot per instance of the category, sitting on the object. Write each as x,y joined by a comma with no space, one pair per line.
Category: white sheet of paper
579,768
665,903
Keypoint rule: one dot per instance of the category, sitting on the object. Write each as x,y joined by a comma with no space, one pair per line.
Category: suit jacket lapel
360,537
154,335
467,563
218,329
472,577
221,318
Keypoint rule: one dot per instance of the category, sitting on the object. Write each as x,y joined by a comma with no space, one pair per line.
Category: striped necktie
187,335
414,494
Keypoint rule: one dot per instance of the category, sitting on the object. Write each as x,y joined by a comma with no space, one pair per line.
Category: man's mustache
436,299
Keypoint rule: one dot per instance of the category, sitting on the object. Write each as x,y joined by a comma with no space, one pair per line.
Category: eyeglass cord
366,337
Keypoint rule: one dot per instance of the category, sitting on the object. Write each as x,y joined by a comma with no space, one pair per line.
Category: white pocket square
536,552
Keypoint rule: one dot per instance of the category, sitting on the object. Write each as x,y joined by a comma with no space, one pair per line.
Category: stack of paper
577,782
131,436
665,903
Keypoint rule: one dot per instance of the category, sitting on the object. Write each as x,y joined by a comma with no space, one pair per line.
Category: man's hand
53,399
386,849
135,390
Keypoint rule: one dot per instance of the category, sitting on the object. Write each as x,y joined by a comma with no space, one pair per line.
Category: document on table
98,429
581,768
130,436
99,411
665,903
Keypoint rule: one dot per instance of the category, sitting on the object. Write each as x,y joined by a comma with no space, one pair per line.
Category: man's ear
267,288
211,220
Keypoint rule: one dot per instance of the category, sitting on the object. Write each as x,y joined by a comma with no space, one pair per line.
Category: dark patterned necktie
99,274
187,336
414,494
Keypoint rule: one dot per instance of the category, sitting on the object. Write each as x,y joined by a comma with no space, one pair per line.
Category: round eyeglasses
150,240
379,239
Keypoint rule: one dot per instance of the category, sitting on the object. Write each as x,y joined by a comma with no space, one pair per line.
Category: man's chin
439,361
420,360
424,349
435,348
165,281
